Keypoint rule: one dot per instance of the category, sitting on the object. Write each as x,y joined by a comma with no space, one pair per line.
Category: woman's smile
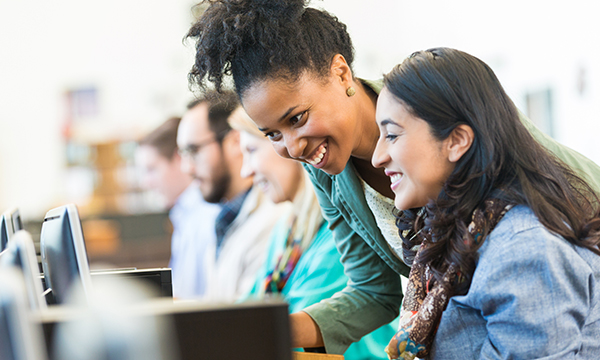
395,178
317,159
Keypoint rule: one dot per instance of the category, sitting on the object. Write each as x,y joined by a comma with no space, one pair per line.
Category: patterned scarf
277,279
424,303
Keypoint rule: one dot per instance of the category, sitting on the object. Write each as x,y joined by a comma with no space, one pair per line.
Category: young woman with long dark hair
508,236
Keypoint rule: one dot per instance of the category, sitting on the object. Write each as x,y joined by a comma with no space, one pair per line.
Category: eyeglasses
192,150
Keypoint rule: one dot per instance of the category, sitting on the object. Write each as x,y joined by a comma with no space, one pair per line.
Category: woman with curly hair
292,69
302,265
507,234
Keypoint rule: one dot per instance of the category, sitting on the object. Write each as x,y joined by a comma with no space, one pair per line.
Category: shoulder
323,243
375,85
256,202
325,182
258,213
520,238
519,229
518,219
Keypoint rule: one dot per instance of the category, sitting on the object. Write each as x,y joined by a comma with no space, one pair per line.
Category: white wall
530,44
131,50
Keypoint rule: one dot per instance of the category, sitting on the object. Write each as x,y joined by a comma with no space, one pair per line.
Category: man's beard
219,188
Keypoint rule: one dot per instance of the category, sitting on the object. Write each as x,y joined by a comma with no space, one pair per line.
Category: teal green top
318,275
373,294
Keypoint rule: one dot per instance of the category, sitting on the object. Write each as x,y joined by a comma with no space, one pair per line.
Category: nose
295,145
246,171
380,155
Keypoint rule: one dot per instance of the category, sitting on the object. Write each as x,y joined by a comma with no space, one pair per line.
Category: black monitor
20,337
10,223
20,253
64,258
249,331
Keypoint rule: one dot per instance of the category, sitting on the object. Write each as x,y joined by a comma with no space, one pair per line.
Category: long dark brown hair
446,87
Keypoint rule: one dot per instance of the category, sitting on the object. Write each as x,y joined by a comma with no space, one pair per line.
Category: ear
340,70
459,141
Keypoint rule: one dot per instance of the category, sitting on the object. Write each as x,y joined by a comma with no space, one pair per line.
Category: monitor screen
20,253
64,258
10,223
20,337
16,220
6,340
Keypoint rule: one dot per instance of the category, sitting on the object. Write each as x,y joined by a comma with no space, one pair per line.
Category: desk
314,356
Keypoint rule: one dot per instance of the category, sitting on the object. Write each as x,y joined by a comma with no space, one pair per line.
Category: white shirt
243,251
382,208
193,222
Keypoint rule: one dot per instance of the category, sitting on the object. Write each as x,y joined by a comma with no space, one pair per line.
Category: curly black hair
254,40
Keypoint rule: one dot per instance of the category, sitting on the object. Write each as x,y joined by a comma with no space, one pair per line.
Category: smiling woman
292,69
302,265
314,122
495,202
420,178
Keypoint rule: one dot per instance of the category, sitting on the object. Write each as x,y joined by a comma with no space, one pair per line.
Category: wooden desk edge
314,356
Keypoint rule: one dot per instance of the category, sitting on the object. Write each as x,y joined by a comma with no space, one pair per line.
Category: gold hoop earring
350,91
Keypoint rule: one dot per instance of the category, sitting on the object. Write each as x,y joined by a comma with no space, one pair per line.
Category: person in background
507,235
211,154
295,81
302,264
192,218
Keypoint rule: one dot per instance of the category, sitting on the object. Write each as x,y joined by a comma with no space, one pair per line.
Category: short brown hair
220,106
163,138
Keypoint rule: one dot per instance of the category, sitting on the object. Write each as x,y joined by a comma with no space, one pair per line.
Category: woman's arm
305,332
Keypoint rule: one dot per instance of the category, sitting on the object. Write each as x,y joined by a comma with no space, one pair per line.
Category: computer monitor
249,331
64,258
20,336
10,223
20,253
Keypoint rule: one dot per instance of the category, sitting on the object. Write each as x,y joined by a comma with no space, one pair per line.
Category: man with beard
211,154
192,218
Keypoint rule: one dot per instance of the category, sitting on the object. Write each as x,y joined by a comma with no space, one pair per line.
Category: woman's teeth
395,178
320,153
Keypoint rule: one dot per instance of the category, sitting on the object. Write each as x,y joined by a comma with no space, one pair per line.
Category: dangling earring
350,91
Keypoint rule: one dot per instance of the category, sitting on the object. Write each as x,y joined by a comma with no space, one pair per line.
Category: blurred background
81,81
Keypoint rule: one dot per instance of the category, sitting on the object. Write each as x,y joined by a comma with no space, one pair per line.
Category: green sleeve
583,166
372,296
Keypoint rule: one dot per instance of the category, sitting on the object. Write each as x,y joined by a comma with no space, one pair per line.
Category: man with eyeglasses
159,166
211,154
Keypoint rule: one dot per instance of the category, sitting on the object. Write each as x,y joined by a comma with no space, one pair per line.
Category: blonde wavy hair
305,215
